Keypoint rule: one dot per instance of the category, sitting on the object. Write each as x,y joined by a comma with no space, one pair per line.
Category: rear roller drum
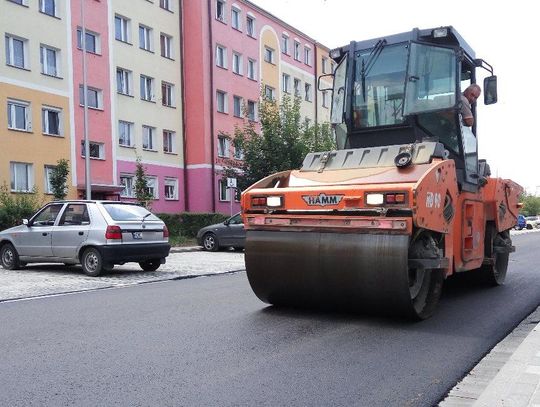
497,252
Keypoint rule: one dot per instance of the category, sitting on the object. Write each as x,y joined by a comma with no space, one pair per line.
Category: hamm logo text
322,199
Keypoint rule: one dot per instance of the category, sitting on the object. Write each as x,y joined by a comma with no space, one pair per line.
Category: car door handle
81,233
44,233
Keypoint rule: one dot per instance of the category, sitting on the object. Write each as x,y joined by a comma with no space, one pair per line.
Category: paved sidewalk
509,376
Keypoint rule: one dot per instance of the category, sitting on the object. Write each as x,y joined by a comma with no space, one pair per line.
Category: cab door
71,231
36,240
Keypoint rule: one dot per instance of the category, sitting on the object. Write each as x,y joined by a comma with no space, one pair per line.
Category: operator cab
405,89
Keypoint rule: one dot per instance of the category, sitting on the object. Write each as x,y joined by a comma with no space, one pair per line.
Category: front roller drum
355,272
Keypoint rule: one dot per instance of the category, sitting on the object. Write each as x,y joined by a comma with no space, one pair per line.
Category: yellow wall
270,72
33,146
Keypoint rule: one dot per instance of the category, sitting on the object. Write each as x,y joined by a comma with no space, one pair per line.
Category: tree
282,143
531,204
59,176
142,193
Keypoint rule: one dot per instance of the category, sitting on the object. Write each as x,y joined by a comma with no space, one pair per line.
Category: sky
504,34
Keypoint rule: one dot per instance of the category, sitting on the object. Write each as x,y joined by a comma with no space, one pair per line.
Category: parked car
96,234
230,233
521,222
532,222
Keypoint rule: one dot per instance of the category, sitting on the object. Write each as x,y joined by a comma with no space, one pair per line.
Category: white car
532,222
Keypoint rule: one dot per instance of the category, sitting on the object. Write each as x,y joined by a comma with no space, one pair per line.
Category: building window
250,26
308,93
167,94
252,110
123,81
121,29
151,187
237,63
92,41
127,182
269,92
251,65
297,84
285,44
223,146
171,188
238,153
50,119
20,2
93,97
16,51
166,45
224,195
307,56
286,83
297,50
145,38
19,115
48,172
221,56
235,19
48,7
221,100
237,102
168,141
22,177
97,150
220,10
325,98
148,138
332,67
324,65
147,88
269,55
49,60
165,4
125,133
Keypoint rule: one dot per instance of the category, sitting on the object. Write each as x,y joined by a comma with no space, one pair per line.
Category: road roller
403,203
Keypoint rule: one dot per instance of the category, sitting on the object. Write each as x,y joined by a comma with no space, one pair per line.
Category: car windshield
123,212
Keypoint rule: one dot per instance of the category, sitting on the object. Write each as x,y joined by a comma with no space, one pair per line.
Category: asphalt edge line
110,287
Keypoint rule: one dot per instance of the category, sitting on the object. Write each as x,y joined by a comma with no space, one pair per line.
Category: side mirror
319,82
490,90
25,222
226,223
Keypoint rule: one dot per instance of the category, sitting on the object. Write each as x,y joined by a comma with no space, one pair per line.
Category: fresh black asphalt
210,342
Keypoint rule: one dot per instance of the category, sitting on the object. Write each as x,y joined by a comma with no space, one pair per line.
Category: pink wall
98,76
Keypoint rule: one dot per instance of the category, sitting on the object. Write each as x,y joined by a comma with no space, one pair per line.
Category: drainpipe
182,84
212,146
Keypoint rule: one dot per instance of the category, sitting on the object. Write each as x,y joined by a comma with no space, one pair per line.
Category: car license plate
137,235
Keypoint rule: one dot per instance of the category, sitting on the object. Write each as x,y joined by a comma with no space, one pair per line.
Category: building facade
167,83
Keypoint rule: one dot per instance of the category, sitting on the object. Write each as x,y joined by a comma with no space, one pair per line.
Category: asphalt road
210,342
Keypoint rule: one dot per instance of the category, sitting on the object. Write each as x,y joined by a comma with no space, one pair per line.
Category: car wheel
92,262
210,242
9,257
529,227
150,265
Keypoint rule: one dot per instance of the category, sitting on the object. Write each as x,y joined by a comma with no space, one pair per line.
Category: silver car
96,234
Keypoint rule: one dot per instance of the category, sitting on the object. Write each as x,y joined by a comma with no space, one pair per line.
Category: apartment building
35,93
147,95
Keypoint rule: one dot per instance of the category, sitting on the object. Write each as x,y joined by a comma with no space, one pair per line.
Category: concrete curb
186,249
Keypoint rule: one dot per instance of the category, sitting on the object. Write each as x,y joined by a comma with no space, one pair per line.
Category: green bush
15,207
187,224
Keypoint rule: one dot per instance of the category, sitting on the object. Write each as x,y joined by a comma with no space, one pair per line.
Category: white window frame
146,84
221,101
125,29
307,55
252,69
16,167
308,92
19,2
149,138
269,92
124,85
286,83
12,113
44,60
99,97
165,45
237,63
250,26
224,191
166,5
127,180
124,141
152,184
238,153
170,182
147,38
297,52
97,41
269,55
47,169
221,16
101,150
324,65
45,120
169,142
236,19
224,146
325,99
237,106
253,117
285,44
221,56
10,51
42,8
297,84
167,94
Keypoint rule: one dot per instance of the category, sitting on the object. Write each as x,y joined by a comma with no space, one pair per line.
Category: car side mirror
490,90
226,223
319,85
25,222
